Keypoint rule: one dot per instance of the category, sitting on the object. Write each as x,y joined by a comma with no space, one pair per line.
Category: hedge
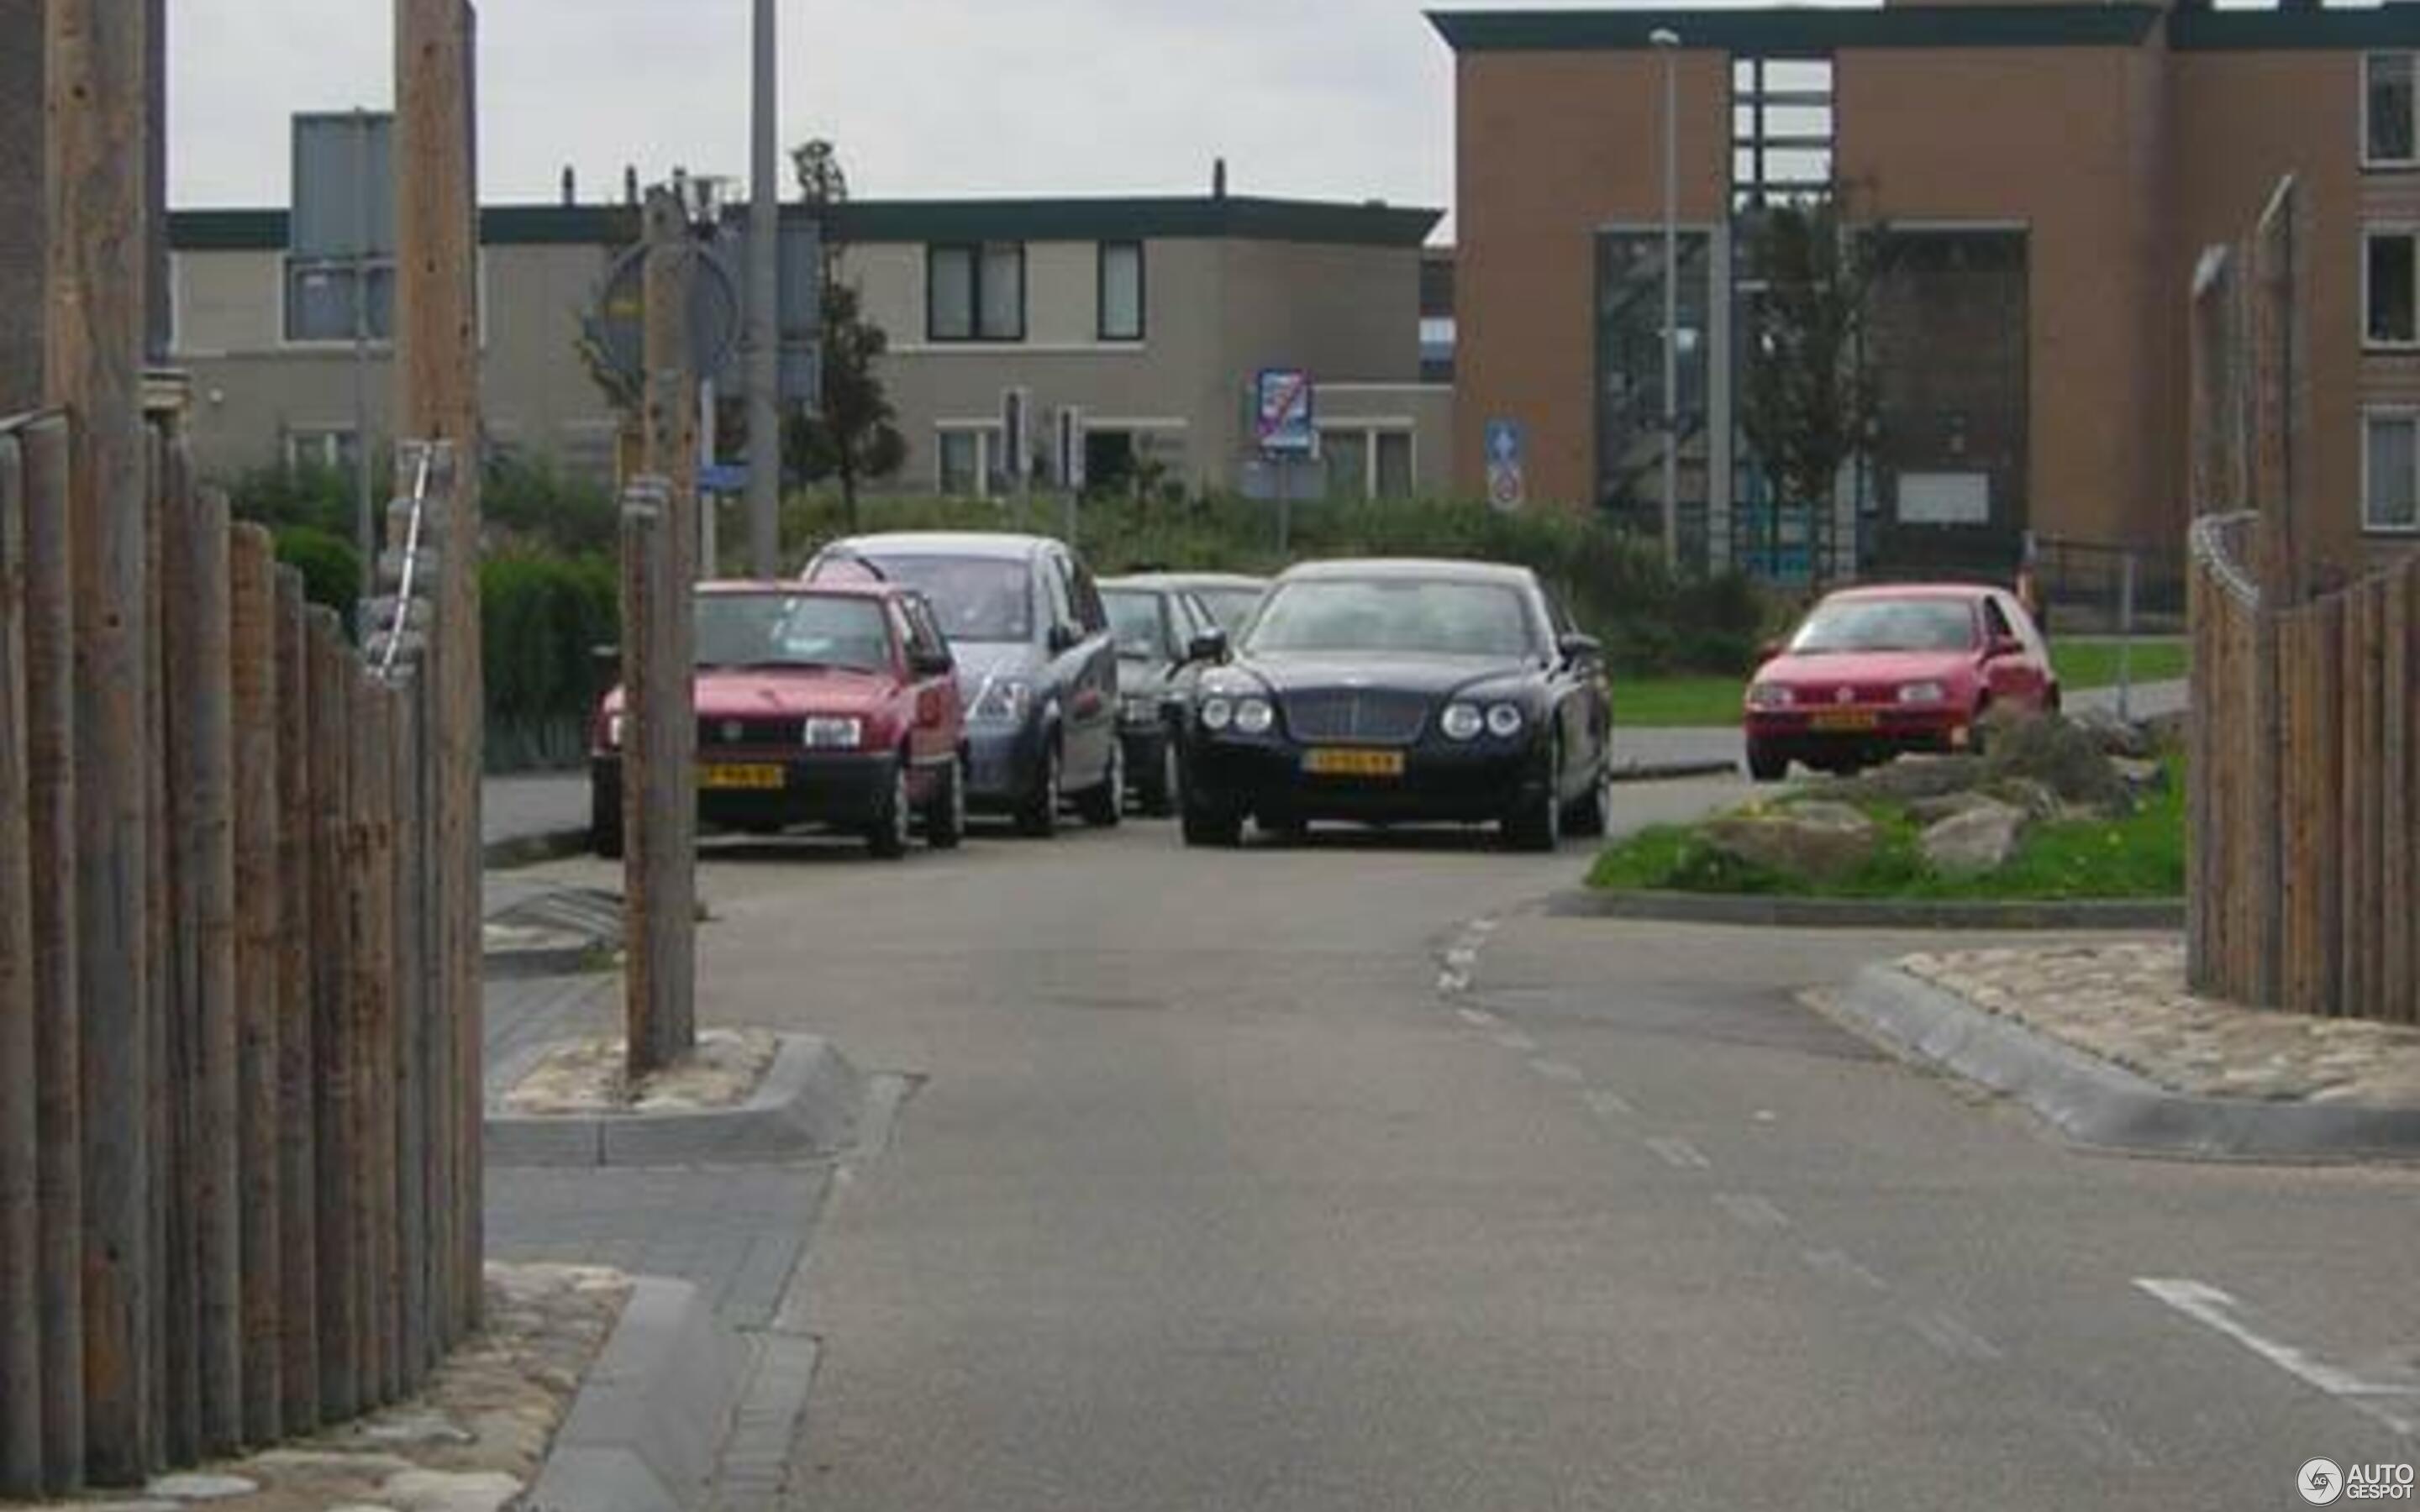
542,617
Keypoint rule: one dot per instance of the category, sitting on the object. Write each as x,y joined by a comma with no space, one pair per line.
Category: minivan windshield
1430,617
774,629
1846,625
976,598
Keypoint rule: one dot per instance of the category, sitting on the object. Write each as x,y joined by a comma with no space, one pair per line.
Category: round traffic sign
620,315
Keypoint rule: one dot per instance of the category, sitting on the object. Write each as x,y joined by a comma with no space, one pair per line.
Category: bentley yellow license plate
1842,719
754,779
1344,762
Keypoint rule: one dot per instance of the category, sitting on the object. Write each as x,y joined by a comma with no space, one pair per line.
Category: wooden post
2396,838
50,728
253,656
336,1188
95,337
370,890
20,1342
201,700
658,779
414,1076
437,399
298,853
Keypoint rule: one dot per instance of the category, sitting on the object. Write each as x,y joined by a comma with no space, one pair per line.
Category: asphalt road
1265,1181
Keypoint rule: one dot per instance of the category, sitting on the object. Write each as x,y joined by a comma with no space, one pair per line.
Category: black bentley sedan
1402,692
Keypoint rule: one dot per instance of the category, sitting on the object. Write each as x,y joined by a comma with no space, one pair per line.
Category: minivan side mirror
1063,639
1210,645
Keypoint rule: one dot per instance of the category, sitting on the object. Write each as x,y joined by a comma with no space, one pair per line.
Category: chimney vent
1218,179
570,186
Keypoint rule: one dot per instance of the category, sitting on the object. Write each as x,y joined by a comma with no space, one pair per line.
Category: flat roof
1204,218
1782,30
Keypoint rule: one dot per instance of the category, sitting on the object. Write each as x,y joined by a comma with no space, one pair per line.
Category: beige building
2045,175
1149,316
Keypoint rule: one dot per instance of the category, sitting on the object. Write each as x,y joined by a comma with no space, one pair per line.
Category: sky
1320,99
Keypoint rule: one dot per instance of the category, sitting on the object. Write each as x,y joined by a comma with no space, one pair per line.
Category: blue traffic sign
1282,412
722,477
1504,442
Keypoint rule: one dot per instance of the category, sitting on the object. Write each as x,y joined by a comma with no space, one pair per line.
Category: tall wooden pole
298,1155
253,638
21,1344
437,400
97,166
660,782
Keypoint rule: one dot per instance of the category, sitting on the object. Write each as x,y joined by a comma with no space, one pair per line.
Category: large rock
2059,754
1980,839
1949,806
2116,736
1911,778
1818,840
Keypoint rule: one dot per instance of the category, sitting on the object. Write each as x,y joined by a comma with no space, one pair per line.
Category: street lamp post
1667,42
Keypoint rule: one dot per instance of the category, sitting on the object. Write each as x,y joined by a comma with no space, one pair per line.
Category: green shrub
542,617
331,571
529,505
315,498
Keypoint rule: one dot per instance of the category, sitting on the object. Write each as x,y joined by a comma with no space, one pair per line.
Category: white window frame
322,443
2362,123
2409,414
983,431
1364,431
2384,231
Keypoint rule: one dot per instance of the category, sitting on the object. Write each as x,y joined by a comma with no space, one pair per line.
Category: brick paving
2128,1004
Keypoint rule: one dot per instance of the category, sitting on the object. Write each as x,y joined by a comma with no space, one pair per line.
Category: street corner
745,1096
2105,1041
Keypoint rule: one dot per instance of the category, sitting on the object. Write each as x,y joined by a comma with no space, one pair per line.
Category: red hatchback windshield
1847,625
773,630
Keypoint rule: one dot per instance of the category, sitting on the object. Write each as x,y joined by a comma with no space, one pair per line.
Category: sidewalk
532,818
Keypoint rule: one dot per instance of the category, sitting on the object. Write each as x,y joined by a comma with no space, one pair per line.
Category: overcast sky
1327,98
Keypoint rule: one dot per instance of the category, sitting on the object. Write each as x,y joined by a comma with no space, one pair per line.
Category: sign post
1068,461
1016,444
1285,423
1508,484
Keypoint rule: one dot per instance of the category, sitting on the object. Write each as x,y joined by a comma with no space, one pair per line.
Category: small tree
1808,404
855,436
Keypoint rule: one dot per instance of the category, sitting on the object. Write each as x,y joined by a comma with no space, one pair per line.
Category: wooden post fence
21,1343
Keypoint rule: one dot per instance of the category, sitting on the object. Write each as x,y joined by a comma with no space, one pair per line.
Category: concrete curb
809,1104
1670,771
1762,912
517,850
2095,1103
651,1417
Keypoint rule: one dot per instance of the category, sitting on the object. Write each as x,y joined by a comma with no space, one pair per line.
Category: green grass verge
1679,703
2139,855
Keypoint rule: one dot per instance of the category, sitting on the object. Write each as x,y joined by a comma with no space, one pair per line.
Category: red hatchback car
1874,672
835,705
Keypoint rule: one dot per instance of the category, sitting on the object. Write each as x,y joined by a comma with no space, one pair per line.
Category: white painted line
1752,1211
1479,1018
1835,1265
1484,927
1948,1333
1516,1040
1452,984
1461,958
1608,1104
1558,1071
2395,1404
1679,1155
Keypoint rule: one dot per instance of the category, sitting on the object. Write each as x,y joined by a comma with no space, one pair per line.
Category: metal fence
292,1118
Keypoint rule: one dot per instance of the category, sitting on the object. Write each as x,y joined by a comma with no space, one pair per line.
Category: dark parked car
1874,672
1036,666
1392,692
1230,597
1166,637
836,706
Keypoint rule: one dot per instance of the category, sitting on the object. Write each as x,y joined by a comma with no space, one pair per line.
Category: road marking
1835,1265
2397,1404
1679,1155
1752,1211
1516,1040
1479,1018
1948,1333
1558,1071
1608,1104
1452,983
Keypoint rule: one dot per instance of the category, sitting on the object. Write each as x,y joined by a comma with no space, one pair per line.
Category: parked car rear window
1233,605
1136,620
1434,618
976,598
1887,625
791,630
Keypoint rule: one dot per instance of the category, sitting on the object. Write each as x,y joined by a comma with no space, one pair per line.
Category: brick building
2044,176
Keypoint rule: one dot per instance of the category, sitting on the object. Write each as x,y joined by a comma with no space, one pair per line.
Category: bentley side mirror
1210,645
1576,647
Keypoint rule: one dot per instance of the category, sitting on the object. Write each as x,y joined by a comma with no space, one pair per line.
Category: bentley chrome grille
1360,716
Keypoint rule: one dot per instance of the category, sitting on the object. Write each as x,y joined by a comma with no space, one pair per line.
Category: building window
975,291
1122,291
319,299
1394,464
1366,464
1781,128
962,462
2390,138
2391,472
318,449
2391,288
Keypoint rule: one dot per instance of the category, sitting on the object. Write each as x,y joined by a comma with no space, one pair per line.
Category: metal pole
1668,43
709,504
2126,637
364,509
761,341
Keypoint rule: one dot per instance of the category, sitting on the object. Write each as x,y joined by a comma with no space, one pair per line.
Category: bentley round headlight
1461,721
1216,713
1254,717
1505,720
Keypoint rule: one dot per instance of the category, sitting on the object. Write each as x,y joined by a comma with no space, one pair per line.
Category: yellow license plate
1332,763
765,778
1845,719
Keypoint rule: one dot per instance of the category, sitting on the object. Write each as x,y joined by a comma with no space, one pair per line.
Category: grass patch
2140,855
1674,702
2089,663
